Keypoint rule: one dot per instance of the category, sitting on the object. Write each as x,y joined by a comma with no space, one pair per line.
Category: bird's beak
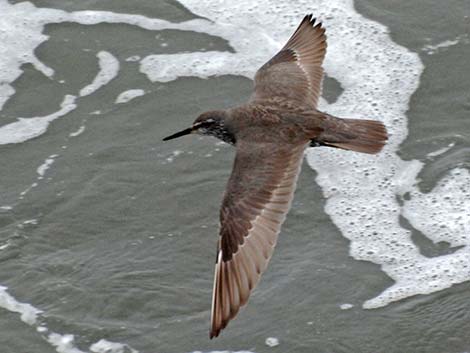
187,131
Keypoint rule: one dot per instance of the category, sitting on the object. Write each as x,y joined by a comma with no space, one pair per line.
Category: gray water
117,239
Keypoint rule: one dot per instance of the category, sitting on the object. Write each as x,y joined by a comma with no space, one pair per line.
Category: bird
271,132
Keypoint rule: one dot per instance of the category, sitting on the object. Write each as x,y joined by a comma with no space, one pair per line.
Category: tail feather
366,136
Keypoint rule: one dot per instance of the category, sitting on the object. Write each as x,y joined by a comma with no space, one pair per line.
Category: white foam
28,313
41,329
168,67
443,216
79,131
46,165
431,49
19,37
28,189
446,217
23,23
272,341
129,95
27,128
63,343
346,306
109,69
440,151
23,34
66,344
104,346
133,58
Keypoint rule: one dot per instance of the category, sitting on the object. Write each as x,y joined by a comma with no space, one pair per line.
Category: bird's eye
207,122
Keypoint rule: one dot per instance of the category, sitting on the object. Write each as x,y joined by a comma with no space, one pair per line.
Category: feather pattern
258,196
295,72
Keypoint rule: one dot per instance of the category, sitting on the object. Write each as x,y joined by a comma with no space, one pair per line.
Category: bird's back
271,121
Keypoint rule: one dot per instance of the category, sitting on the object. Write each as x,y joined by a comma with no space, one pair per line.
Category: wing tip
313,21
213,334
217,329
308,18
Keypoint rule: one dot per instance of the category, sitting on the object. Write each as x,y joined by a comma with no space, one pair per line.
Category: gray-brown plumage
271,132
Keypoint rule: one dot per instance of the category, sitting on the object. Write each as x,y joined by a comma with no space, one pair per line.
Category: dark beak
179,134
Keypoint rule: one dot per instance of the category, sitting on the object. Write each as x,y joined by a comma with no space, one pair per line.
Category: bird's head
210,123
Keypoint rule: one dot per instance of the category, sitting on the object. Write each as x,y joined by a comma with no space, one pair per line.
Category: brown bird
270,133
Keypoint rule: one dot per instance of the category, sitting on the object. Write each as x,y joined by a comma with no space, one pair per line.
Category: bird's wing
295,72
258,196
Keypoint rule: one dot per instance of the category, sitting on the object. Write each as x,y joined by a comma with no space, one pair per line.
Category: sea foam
25,129
27,312
64,343
129,95
108,69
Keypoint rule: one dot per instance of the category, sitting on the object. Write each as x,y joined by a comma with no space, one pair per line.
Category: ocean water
108,235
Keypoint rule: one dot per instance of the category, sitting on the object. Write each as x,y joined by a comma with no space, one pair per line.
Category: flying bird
270,133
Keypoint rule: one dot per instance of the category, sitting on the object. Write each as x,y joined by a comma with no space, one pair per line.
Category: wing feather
295,72
258,196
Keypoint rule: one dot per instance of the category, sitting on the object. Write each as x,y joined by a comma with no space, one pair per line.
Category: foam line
105,346
129,95
28,313
41,170
25,129
109,69
63,343
77,132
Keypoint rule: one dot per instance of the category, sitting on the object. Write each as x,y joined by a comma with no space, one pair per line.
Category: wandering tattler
271,132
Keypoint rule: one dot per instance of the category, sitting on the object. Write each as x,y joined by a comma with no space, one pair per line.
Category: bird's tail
366,136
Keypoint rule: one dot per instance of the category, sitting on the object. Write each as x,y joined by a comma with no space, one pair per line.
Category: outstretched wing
295,73
258,196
